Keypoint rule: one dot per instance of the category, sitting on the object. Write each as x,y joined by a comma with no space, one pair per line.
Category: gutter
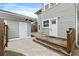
76,12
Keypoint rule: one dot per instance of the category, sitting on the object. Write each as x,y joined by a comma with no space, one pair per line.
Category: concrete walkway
31,48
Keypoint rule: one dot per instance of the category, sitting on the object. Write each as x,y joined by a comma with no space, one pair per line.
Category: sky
26,9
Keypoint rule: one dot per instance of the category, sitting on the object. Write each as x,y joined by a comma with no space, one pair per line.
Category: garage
18,29
19,26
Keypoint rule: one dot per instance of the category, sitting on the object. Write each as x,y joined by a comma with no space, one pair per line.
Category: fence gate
2,37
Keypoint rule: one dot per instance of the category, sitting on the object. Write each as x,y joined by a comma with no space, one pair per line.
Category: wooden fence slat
2,31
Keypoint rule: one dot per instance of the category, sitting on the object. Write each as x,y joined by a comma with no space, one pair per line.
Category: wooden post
70,39
6,35
2,33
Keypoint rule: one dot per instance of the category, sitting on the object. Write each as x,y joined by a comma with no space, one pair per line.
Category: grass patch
12,53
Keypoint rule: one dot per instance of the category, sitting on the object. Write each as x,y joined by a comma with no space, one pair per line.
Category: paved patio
31,48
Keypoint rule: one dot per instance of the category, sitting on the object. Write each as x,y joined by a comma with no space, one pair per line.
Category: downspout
76,12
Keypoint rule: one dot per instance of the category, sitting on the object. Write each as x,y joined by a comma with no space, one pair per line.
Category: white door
53,27
22,30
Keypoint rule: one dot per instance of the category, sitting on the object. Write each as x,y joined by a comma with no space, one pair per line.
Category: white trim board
76,8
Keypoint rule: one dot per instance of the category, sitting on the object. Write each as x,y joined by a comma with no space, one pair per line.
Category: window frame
46,24
53,4
49,6
53,21
45,6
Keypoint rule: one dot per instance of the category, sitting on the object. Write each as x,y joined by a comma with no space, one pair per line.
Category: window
53,21
52,4
46,23
46,6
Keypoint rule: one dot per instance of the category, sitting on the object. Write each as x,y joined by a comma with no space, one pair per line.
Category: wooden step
54,41
57,41
52,46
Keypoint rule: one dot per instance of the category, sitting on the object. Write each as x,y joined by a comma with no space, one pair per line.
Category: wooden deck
52,42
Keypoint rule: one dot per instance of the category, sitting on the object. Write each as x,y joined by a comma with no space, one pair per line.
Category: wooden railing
71,36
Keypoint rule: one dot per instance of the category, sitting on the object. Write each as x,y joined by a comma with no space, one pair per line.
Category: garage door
22,30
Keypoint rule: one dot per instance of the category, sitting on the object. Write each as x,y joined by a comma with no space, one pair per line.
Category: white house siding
66,12
44,30
39,23
28,29
13,29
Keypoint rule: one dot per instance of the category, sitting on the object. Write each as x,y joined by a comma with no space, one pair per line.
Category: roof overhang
15,16
38,12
